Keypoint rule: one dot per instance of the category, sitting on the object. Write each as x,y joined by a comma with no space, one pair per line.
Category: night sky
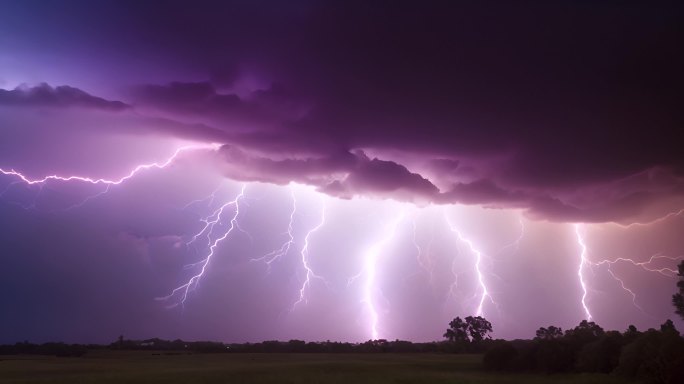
254,170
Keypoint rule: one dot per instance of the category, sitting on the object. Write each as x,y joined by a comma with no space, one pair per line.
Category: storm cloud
551,108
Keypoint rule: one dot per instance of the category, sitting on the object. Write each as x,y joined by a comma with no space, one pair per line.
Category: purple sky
337,170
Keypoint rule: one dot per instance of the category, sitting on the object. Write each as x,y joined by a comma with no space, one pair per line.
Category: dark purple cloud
544,107
44,95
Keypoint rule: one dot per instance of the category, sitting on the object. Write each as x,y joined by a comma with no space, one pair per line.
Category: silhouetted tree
549,333
584,333
478,328
471,331
669,328
655,356
678,298
457,331
630,334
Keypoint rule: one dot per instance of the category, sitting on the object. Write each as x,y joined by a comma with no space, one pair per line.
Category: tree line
656,356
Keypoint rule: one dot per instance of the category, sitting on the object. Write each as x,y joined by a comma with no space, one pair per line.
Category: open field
146,367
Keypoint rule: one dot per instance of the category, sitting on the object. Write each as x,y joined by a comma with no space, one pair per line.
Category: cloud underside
494,106
280,148
62,96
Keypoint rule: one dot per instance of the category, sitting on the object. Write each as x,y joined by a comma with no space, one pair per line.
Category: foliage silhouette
678,298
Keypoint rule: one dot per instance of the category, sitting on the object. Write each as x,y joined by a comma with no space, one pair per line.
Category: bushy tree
678,298
630,335
655,356
584,333
457,331
668,327
549,333
473,329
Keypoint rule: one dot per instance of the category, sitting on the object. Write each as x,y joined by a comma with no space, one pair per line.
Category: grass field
145,367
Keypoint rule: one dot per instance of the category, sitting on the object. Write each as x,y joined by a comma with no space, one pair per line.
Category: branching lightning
665,271
304,253
478,260
285,248
371,256
644,265
655,221
423,256
24,179
90,180
516,243
580,269
211,222
220,223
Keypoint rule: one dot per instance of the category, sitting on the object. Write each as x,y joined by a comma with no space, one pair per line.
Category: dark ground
152,367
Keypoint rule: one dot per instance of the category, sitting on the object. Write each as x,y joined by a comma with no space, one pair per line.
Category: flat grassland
148,367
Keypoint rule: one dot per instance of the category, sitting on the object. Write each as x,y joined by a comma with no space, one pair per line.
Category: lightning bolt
211,221
516,242
665,271
371,256
90,180
304,253
580,270
644,265
285,248
655,221
622,285
478,260
22,178
423,257
209,199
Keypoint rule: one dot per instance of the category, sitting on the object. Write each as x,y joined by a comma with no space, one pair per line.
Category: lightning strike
665,271
580,270
209,199
516,242
285,248
214,219
97,181
90,180
644,265
622,285
478,260
423,256
304,253
655,221
370,289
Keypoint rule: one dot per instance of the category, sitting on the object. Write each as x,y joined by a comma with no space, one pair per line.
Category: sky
243,171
